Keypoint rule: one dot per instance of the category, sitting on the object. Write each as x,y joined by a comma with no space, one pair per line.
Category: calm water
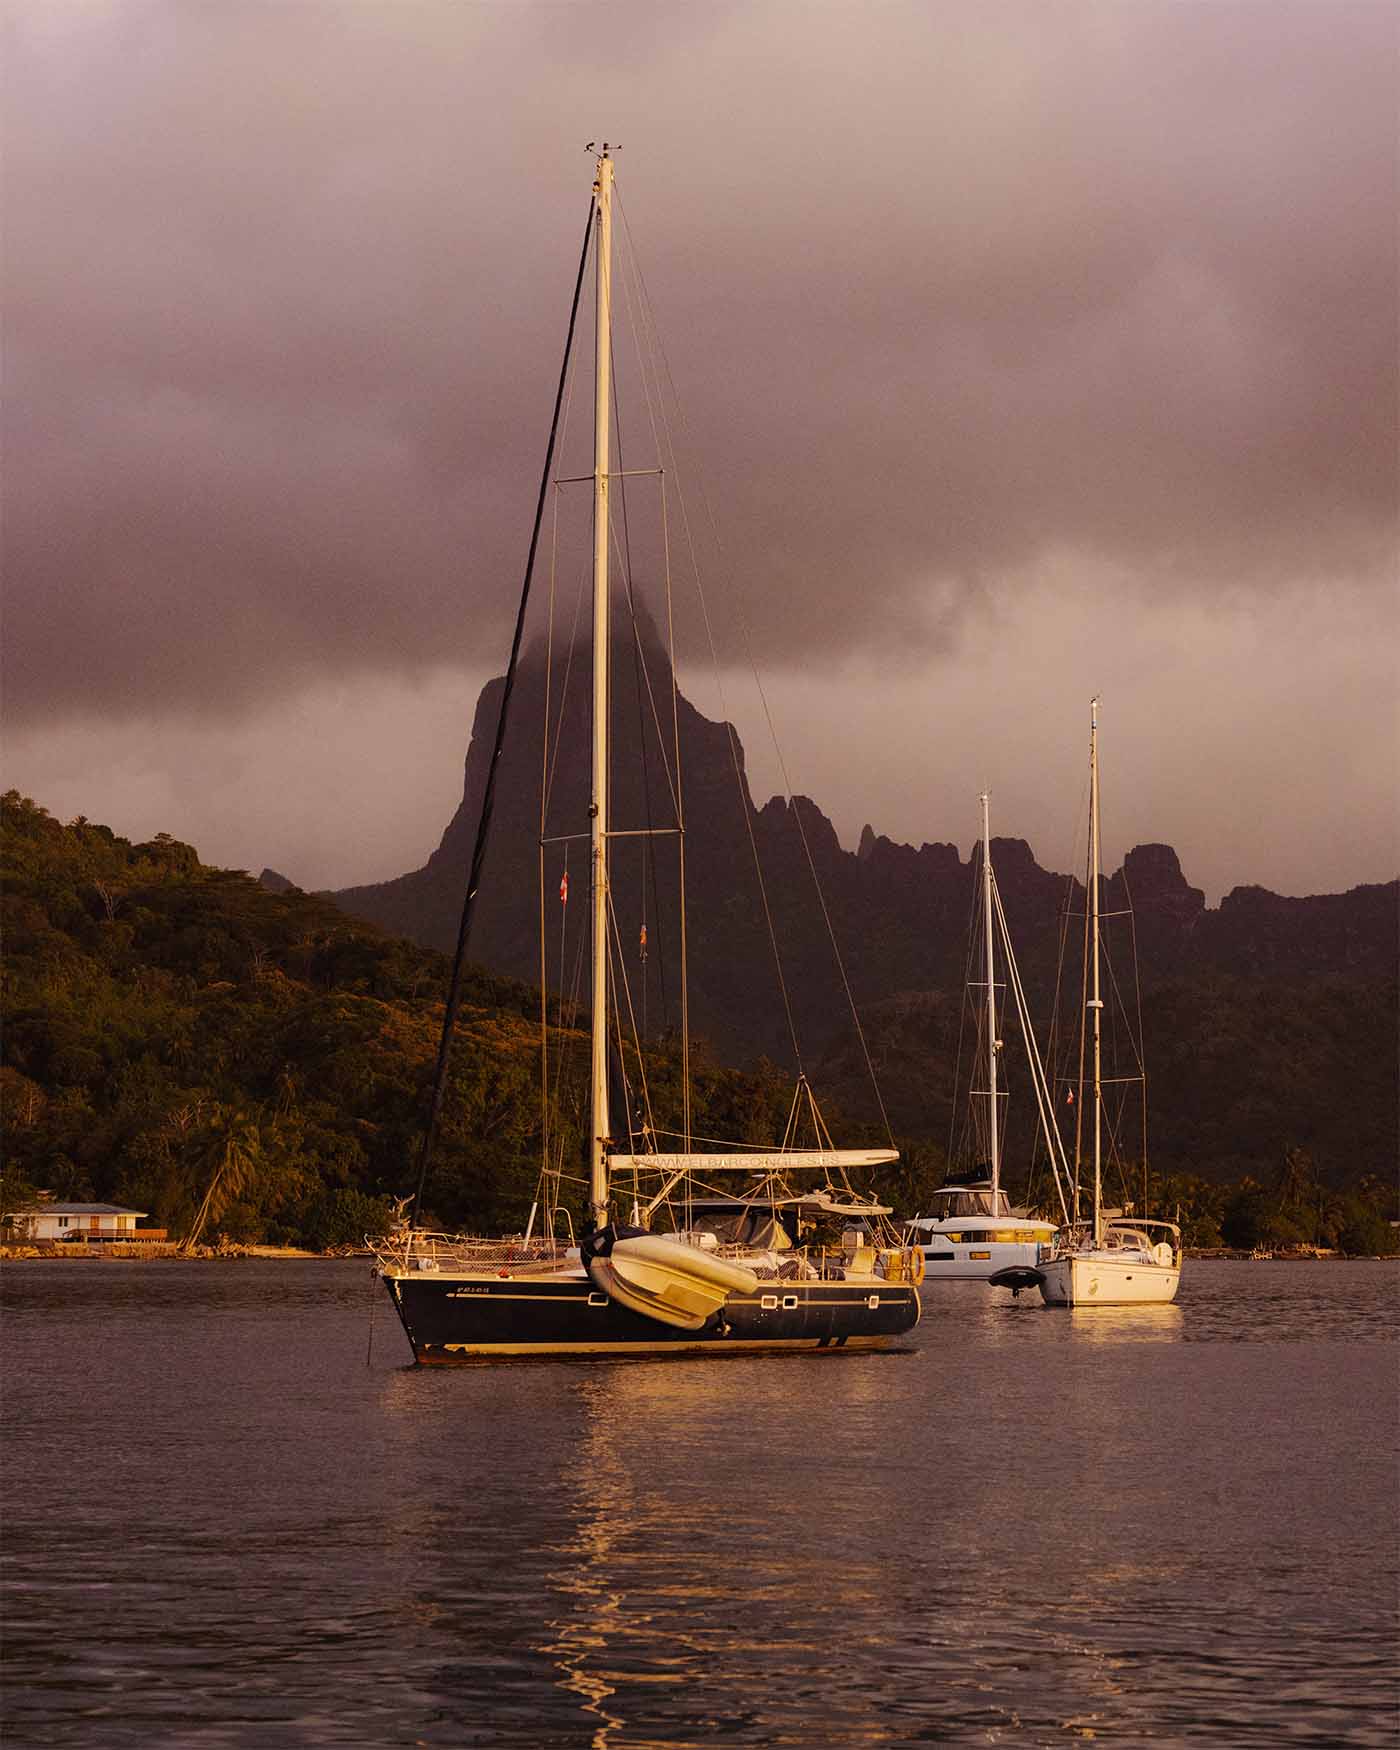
1171,1525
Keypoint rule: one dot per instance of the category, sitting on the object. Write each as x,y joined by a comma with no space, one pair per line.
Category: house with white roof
47,1220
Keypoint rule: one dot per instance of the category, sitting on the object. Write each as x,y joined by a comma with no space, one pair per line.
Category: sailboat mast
598,812
992,1125
1095,1001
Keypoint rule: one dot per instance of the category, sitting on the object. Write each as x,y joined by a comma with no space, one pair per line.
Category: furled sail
753,1161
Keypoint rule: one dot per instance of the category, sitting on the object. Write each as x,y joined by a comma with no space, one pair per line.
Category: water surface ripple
1158,1526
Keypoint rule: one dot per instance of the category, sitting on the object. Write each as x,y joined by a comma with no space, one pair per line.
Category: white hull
961,1246
975,1263
1107,1279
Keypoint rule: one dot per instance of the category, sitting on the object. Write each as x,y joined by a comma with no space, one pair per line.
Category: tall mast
598,812
992,1126
1095,1002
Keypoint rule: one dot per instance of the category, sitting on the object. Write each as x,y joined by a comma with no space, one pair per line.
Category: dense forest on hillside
1245,1079
177,1038
172,1027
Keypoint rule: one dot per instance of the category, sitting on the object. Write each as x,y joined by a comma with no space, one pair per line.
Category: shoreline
118,1253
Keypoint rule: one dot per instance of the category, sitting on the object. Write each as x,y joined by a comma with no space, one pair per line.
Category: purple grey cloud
960,300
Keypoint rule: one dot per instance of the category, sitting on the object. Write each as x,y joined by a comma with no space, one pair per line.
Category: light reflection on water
1125,1324
1151,1525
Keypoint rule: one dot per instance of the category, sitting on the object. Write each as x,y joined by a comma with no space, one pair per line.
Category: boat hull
1093,1279
944,1262
451,1320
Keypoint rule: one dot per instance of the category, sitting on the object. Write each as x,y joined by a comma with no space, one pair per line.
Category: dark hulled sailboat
774,1250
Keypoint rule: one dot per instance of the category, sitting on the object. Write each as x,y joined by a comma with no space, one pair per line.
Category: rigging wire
642,681
624,984
638,308
1091,874
763,697
665,442
570,995
454,994
959,1138
680,818
543,1194
551,1160
643,672
1140,1040
1039,1083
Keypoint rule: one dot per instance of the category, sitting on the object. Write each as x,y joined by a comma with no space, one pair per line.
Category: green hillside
171,1026
175,1033
1272,1105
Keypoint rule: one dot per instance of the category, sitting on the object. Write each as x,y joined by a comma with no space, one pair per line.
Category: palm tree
235,1153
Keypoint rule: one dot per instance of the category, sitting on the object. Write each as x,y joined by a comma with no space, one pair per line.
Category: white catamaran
1113,1259
720,1249
973,1231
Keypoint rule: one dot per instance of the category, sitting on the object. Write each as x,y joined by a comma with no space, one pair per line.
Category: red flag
1069,1096
564,888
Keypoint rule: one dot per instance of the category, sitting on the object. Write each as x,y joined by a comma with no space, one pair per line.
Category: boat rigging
762,1266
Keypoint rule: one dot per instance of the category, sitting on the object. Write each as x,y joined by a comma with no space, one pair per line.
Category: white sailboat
973,1232
697,1267
1113,1259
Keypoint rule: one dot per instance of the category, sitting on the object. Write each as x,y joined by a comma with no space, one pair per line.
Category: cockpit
735,1221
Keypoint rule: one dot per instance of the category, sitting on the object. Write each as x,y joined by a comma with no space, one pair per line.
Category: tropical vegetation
254,1065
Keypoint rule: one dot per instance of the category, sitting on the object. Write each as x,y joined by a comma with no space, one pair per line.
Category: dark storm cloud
948,291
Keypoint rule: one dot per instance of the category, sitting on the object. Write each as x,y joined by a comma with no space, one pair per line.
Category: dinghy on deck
668,1279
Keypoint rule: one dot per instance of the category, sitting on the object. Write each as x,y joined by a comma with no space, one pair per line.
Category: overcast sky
1025,351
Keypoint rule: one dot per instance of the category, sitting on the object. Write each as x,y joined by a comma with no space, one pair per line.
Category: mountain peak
899,913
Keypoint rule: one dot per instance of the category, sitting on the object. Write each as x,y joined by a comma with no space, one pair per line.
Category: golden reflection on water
1117,1324
593,1619
635,1616
737,1547
665,1581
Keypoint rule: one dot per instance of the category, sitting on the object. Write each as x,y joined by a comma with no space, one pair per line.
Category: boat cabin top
737,1221
775,1219
969,1200
1126,1239
1133,1233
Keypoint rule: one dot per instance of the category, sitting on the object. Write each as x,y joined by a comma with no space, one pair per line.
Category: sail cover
777,1161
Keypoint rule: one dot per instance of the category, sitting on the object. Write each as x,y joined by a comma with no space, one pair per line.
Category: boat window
961,1203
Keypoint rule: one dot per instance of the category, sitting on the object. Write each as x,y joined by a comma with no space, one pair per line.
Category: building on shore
86,1223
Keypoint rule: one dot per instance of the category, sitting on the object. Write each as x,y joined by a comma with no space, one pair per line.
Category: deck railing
119,1236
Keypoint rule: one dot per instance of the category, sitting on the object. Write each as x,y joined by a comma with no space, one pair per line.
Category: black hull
451,1320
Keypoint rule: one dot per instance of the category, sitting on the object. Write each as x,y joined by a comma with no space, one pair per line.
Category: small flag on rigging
564,888
1069,1096
643,942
